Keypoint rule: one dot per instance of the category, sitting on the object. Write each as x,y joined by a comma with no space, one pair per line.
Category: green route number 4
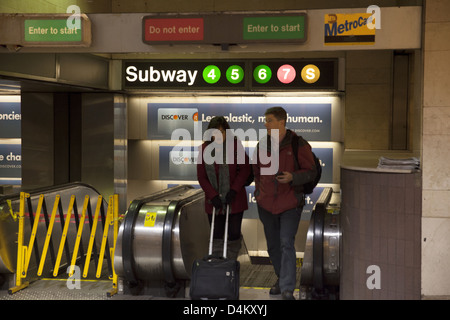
211,74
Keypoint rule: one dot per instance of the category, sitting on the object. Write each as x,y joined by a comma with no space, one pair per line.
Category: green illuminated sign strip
274,28
51,31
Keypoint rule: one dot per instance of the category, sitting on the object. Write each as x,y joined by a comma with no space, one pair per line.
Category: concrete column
436,151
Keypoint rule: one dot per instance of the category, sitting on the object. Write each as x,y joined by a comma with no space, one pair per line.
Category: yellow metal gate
24,252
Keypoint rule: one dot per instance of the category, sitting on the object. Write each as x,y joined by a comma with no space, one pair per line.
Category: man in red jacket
279,205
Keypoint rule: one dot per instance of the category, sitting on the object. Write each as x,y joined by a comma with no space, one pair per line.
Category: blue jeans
280,231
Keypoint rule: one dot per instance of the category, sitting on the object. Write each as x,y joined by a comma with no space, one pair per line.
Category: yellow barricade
24,252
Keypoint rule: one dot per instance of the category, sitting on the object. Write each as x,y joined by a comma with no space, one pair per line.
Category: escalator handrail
319,219
324,198
48,189
166,247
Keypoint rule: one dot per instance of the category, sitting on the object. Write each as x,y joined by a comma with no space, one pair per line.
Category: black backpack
308,188
250,178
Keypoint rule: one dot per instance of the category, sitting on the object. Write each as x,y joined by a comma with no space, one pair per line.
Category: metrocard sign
348,29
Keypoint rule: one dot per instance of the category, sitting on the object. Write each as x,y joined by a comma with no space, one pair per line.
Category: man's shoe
275,290
287,295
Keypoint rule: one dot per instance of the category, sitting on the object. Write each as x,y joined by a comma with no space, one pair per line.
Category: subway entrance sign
40,30
275,28
58,30
45,30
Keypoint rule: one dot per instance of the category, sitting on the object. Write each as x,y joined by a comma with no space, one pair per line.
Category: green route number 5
235,74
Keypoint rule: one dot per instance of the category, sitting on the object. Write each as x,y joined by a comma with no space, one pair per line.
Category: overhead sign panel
257,75
222,28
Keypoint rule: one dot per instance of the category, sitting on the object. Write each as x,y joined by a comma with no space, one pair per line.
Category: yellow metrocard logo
348,29
150,219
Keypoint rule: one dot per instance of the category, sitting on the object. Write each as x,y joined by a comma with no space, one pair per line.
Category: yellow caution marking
49,235
64,236
105,236
150,219
79,233
92,237
33,234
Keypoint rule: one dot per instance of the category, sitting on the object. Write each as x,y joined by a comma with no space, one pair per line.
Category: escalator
320,273
159,239
9,221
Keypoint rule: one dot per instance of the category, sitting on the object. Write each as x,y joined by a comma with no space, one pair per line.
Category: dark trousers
280,230
234,225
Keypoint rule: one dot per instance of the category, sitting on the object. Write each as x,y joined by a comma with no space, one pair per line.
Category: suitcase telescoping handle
225,237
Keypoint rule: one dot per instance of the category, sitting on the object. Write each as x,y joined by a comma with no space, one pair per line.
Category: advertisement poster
10,141
10,119
252,211
310,201
10,163
182,164
310,120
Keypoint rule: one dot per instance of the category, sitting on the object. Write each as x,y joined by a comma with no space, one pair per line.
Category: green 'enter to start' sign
50,31
274,28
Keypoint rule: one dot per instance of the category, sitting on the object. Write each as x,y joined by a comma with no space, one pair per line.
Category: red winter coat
278,197
238,177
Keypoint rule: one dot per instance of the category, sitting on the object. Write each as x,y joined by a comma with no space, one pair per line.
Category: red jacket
238,177
278,197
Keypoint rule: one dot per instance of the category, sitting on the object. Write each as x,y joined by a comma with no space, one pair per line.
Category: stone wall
436,151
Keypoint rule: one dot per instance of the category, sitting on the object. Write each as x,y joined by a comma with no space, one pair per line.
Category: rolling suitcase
215,277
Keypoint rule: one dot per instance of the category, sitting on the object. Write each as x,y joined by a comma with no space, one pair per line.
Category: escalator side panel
321,260
165,250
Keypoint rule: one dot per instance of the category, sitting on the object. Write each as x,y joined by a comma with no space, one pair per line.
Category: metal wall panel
33,64
84,69
97,154
120,150
400,107
37,140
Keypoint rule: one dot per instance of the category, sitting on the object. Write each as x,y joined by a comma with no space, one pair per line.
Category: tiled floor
256,281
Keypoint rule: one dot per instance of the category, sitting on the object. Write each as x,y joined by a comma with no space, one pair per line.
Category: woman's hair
218,122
